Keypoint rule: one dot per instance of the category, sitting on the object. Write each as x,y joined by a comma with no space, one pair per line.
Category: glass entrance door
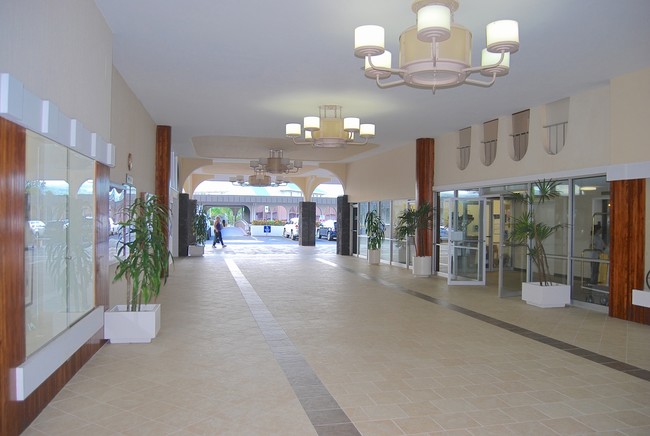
512,259
466,242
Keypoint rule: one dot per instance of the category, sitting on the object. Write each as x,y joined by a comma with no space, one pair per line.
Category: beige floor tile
396,364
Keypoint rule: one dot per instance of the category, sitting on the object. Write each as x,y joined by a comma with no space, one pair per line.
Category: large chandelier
258,180
436,52
276,163
330,129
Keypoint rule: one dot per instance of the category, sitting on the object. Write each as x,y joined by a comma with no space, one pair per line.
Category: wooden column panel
424,160
627,249
102,235
163,164
12,269
163,158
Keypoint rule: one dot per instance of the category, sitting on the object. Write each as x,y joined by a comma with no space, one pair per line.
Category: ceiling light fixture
330,129
276,163
258,180
436,52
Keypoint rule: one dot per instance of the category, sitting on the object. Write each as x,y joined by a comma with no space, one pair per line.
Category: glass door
512,259
466,242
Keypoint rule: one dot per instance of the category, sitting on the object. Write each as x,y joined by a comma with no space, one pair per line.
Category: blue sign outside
267,229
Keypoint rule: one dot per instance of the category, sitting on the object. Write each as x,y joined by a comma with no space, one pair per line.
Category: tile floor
267,339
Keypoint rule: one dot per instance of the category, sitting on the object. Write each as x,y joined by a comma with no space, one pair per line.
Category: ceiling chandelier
258,180
330,129
436,52
276,163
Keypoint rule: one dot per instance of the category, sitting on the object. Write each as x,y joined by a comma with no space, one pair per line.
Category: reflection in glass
591,240
59,245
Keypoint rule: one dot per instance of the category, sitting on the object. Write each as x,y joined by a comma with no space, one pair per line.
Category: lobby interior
303,340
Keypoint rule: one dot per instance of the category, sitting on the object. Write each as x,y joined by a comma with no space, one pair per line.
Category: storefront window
59,239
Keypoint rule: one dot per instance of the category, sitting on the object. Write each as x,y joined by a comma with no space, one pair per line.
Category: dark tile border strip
323,411
609,362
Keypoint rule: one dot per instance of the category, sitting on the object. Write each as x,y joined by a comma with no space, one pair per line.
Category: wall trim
43,363
19,105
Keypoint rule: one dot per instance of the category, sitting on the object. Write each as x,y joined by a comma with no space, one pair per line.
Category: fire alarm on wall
129,162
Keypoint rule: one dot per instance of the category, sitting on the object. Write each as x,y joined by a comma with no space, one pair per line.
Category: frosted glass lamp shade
293,130
351,124
383,60
367,130
502,35
489,58
434,22
368,40
311,123
308,134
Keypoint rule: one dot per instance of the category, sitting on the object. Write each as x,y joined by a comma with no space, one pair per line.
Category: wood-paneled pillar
12,270
627,249
424,160
163,164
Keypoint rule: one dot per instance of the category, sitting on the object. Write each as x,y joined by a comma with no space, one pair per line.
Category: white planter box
374,257
422,266
195,250
640,298
556,295
123,327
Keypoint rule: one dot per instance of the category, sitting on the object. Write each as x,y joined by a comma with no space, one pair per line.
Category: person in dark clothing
217,233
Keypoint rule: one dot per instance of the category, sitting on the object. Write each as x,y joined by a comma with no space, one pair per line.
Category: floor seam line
291,361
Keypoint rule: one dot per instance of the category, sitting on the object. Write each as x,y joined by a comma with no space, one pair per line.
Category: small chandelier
436,52
330,129
276,163
258,180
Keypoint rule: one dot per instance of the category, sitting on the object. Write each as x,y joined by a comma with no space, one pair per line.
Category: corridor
267,339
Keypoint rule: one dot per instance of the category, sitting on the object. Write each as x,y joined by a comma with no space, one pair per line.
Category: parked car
115,227
327,229
37,227
291,229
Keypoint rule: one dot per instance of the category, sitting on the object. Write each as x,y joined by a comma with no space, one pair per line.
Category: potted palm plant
375,230
143,261
527,230
412,225
200,224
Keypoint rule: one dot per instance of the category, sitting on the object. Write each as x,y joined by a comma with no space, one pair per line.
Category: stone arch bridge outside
257,207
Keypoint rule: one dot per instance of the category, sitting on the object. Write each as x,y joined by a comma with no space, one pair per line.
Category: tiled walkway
267,339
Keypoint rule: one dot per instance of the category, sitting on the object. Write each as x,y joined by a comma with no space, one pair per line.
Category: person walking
217,233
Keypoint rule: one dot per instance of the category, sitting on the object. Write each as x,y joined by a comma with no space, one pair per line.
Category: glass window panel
399,247
591,240
363,239
59,245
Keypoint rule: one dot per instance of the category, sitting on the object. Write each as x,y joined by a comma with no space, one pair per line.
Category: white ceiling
228,75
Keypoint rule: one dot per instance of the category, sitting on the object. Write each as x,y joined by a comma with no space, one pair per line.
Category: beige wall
132,131
630,114
61,51
587,145
387,176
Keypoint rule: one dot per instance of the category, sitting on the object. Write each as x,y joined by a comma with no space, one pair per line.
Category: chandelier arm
485,67
384,69
365,141
384,85
482,83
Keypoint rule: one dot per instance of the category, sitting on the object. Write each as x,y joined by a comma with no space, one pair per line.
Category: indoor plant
412,224
143,261
375,230
528,231
200,224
